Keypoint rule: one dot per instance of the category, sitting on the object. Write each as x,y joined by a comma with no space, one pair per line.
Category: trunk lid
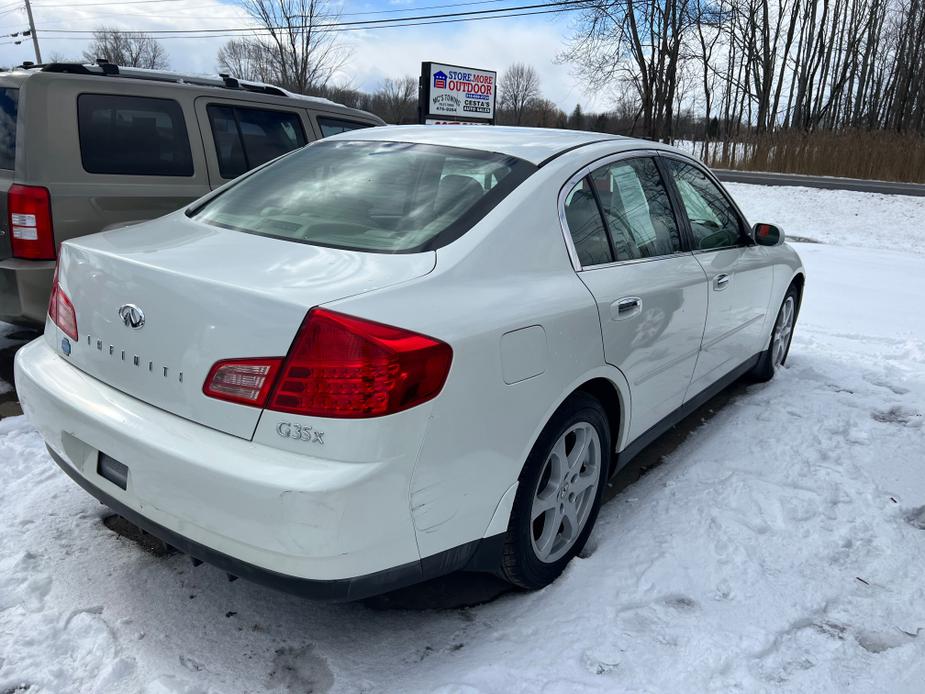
207,294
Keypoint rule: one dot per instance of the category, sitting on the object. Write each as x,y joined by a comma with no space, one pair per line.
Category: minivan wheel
559,495
775,356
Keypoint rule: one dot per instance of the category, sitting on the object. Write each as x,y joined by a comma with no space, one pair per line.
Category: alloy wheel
783,331
565,492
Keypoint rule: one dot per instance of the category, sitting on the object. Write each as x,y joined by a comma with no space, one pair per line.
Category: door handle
720,282
624,308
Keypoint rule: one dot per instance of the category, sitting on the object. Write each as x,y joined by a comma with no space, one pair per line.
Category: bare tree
246,59
638,42
543,113
518,86
399,98
127,48
305,56
349,96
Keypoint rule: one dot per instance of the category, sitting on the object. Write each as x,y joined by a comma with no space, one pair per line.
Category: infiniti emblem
132,316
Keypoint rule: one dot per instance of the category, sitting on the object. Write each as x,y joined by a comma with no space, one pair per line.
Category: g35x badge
298,432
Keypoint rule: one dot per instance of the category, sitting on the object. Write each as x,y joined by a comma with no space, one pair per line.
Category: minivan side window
133,136
9,107
333,126
637,209
248,137
714,222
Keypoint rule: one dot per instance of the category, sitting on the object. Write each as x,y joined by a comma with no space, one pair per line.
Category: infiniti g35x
381,358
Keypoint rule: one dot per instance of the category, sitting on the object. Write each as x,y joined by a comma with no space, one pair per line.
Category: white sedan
403,351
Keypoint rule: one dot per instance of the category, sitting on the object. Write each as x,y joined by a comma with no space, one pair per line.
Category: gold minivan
85,148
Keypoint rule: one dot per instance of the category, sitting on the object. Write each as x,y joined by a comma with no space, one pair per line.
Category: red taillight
345,367
61,310
53,299
29,211
244,381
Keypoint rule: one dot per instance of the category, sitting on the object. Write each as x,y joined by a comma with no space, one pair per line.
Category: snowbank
839,217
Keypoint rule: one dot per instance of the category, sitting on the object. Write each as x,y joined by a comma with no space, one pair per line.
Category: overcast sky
376,54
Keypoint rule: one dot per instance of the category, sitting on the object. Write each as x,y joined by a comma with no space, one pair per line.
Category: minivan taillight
61,310
29,212
345,367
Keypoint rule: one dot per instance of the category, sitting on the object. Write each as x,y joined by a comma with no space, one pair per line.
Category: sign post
456,95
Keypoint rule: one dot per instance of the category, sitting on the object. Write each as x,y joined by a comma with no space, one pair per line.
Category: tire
536,550
775,356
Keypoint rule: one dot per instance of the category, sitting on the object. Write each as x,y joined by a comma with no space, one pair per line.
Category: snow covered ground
781,547
839,217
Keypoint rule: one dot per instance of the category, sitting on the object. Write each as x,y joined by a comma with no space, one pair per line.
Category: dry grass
884,156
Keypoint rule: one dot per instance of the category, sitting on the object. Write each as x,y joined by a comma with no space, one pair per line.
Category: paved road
829,182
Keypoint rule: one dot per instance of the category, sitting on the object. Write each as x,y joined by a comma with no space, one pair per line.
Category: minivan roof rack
103,68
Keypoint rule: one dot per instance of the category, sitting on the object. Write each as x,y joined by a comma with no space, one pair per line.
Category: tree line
768,75
757,66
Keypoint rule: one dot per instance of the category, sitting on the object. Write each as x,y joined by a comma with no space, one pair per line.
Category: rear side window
637,209
133,136
386,197
248,137
586,225
333,126
9,107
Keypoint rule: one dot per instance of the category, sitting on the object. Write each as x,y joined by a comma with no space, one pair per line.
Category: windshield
386,197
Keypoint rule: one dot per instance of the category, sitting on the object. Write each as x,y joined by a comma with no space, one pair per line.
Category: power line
202,33
342,14
425,7
101,4
355,28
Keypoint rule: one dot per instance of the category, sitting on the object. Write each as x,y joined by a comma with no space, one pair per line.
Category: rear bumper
478,555
24,289
291,521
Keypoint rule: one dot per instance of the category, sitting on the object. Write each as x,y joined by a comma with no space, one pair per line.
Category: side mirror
767,234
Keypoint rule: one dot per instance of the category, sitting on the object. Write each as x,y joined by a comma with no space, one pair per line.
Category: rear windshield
9,106
387,197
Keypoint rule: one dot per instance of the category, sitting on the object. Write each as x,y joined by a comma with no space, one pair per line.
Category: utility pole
35,39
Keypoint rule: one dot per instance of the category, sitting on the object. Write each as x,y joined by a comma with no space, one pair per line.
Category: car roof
249,89
535,145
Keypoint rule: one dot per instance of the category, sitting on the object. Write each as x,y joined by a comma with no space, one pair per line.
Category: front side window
333,126
637,209
388,197
248,137
133,135
9,108
713,220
